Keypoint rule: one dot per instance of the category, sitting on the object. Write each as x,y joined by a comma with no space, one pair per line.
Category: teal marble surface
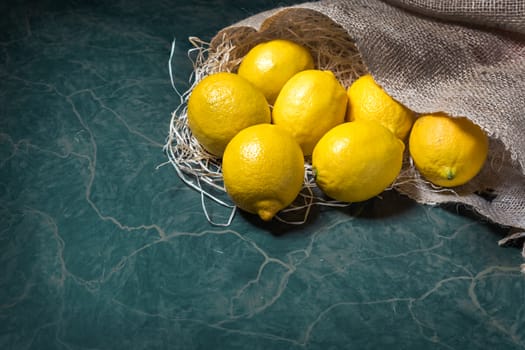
102,249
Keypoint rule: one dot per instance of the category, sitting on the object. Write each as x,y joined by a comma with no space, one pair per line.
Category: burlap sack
466,58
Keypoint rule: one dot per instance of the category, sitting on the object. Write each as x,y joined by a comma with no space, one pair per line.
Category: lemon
356,161
447,151
263,170
309,104
270,64
368,100
221,105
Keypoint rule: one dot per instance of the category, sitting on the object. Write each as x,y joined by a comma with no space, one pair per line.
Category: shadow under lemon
387,205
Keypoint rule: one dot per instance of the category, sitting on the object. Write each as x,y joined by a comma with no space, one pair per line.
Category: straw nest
332,49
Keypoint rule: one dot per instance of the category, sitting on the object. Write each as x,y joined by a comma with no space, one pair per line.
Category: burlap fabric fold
465,58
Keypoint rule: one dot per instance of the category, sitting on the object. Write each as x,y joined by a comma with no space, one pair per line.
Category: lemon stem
450,174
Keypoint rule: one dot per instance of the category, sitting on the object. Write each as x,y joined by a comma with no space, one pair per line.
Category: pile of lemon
279,111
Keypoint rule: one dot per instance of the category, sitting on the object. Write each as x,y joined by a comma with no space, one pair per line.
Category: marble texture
102,249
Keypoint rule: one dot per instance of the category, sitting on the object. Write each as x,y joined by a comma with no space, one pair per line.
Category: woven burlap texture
464,58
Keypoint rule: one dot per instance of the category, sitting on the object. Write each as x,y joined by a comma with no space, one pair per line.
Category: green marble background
100,249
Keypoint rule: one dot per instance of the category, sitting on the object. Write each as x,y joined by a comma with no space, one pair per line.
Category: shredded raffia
202,171
332,50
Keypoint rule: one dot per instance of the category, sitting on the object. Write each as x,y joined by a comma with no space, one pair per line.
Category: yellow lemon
263,170
356,161
221,105
447,151
309,104
367,100
270,64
